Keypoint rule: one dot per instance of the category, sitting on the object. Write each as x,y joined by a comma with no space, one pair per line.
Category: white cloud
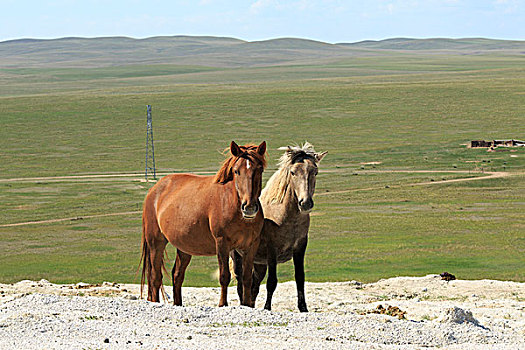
507,6
298,5
303,4
262,4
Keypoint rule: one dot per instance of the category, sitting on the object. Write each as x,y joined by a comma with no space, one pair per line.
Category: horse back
180,205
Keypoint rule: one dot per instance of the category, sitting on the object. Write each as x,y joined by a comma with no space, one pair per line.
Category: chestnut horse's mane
225,173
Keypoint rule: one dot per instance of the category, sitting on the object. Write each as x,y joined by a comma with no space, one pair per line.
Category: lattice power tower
150,150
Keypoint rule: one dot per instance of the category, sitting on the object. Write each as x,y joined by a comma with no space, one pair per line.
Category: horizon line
246,41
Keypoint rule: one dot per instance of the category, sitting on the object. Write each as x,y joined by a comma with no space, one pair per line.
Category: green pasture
382,119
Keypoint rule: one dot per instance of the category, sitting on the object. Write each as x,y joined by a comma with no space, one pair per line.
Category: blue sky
326,20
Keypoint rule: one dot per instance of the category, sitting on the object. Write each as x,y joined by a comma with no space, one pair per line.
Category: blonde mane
279,183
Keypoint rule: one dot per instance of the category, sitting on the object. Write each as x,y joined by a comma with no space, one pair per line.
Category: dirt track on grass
136,177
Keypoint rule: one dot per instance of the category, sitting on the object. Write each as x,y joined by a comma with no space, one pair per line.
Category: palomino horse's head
245,168
298,171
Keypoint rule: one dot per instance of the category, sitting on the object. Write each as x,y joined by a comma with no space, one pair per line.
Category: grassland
402,110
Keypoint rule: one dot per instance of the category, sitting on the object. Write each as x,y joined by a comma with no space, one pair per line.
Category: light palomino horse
205,215
287,202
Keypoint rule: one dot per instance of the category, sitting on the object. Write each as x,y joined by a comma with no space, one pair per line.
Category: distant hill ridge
216,51
439,44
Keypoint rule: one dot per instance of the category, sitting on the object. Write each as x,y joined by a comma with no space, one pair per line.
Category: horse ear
262,148
235,149
320,156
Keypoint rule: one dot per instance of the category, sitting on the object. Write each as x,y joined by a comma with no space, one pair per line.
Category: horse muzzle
249,212
306,206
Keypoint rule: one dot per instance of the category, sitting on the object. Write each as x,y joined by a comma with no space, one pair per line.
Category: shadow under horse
287,202
205,215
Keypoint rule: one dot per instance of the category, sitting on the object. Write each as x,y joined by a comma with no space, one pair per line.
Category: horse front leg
223,254
298,262
237,269
271,282
247,271
259,271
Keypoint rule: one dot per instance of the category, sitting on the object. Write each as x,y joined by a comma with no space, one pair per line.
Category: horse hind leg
179,269
157,265
153,245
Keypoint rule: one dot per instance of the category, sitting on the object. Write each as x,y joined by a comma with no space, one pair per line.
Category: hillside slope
216,51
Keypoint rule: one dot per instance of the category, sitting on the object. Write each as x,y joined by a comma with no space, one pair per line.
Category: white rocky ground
453,315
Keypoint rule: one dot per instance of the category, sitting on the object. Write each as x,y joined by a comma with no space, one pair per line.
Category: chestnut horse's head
245,168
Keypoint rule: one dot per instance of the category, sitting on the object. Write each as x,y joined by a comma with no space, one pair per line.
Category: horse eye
291,172
236,172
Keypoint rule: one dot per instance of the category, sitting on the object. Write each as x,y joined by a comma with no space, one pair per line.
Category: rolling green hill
465,44
216,51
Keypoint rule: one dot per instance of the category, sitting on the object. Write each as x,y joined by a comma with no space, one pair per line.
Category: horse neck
288,208
290,203
230,191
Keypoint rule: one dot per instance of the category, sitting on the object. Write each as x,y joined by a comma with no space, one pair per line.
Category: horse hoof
303,308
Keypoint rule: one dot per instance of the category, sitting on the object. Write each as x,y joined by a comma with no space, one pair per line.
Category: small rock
190,337
106,340
354,283
44,282
458,315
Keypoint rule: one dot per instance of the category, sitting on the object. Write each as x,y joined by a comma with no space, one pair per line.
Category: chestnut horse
287,202
205,215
